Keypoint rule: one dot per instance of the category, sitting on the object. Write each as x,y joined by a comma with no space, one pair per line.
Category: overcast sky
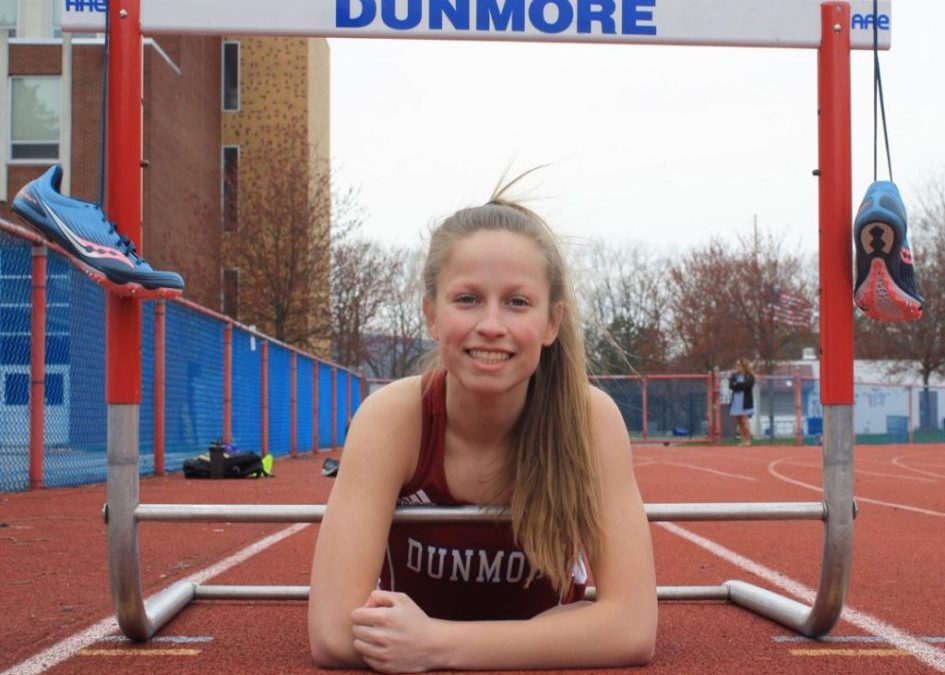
660,144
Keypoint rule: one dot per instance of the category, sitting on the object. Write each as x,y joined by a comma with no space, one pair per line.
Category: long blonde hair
555,502
746,366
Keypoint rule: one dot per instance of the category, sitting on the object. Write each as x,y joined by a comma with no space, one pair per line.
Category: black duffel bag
221,462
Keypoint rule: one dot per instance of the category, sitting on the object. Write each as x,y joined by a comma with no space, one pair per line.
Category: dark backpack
218,463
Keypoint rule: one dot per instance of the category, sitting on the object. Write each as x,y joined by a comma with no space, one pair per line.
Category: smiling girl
505,418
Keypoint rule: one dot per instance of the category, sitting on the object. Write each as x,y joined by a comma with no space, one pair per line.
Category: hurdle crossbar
292,513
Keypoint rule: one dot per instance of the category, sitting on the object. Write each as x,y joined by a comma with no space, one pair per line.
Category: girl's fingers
368,650
375,664
379,598
368,634
369,616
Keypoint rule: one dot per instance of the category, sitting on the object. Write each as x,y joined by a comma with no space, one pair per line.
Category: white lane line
897,461
715,471
72,645
856,639
816,488
926,653
868,472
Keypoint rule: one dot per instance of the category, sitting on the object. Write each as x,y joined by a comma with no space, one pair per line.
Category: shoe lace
125,244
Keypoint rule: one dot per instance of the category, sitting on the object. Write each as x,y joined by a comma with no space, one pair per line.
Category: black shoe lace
125,245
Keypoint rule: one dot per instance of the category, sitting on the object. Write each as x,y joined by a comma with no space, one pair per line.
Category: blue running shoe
885,286
80,229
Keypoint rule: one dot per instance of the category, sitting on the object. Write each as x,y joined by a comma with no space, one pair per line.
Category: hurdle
832,28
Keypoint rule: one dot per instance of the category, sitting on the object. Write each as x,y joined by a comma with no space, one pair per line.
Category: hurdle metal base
140,619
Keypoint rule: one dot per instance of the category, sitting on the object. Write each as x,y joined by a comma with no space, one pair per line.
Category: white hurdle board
734,23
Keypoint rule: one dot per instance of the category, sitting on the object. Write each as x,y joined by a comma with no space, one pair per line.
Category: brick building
205,101
276,121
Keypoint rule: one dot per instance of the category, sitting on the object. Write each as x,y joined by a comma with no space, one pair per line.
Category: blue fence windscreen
193,383
341,391
324,406
247,391
305,372
75,430
280,400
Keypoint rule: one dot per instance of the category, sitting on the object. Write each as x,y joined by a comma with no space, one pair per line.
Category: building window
231,187
231,76
231,293
34,118
8,16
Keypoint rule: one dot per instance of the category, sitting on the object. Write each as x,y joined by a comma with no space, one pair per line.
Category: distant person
742,384
505,418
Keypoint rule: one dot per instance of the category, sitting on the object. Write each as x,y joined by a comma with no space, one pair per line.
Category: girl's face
492,312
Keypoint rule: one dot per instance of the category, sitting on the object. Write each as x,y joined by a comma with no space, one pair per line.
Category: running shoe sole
882,252
880,298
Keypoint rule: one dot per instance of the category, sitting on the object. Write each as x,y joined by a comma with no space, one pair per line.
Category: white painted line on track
897,461
72,645
930,465
926,653
867,472
857,639
903,507
715,471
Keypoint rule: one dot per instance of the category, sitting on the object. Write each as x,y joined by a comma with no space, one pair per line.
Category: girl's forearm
593,635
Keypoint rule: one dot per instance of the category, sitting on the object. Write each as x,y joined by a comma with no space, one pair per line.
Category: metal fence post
315,406
228,382
38,368
911,422
293,402
798,422
264,398
160,344
334,407
644,383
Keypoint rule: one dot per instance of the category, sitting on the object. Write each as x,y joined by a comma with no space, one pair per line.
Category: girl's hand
394,635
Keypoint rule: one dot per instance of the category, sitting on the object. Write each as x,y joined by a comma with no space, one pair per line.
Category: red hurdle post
293,414
228,383
315,365
334,407
264,398
160,352
38,368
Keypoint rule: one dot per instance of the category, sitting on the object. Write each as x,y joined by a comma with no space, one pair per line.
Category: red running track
57,612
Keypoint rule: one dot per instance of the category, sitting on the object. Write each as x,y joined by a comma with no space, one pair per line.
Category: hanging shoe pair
885,286
83,233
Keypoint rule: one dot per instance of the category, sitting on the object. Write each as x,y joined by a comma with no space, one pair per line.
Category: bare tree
709,329
625,306
747,301
767,288
362,273
397,343
282,244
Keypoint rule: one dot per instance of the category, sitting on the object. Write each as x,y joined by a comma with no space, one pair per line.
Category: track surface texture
57,614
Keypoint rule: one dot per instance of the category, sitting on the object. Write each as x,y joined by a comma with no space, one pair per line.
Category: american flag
792,310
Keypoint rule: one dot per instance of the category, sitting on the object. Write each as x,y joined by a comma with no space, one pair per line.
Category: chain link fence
194,381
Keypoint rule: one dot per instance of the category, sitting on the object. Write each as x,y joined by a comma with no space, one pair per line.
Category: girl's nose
491,324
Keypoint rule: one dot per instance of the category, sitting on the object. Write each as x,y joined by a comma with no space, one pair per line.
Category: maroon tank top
470,571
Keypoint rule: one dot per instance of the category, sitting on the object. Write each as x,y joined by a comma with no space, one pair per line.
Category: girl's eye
465,299
518,302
